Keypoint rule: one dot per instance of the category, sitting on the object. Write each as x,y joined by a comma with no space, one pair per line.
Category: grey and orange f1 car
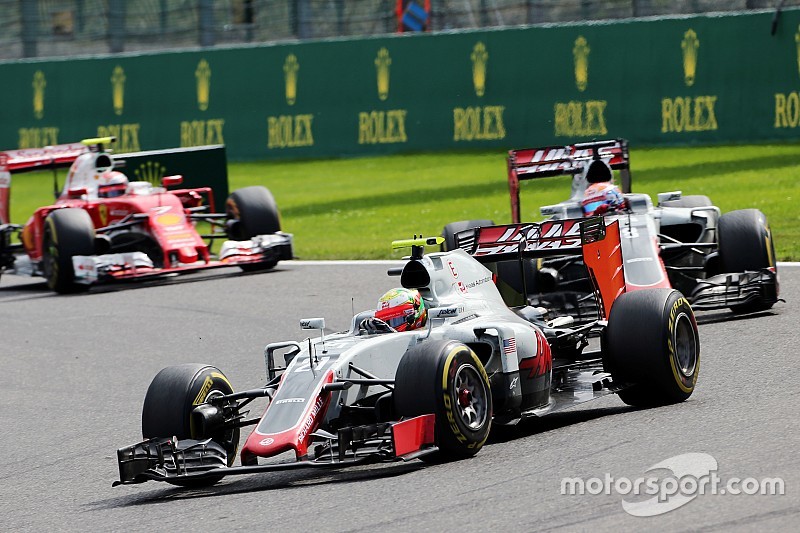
684,242
373,393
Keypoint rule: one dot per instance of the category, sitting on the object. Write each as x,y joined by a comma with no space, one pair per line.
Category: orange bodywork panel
603,259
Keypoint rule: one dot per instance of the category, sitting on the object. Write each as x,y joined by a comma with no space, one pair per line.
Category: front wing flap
90,269
173,460
277,246
730,290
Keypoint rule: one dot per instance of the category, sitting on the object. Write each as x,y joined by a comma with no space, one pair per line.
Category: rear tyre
450,230
745,243
692,200
447,379
67,233
252,211
653,346
168,404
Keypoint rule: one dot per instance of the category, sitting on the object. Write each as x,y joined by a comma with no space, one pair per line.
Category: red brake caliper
464,397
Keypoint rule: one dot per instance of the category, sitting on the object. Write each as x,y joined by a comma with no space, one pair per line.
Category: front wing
264,249
736,289
177,461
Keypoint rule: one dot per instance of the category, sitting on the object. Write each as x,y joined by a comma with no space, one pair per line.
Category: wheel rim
685,342
470,397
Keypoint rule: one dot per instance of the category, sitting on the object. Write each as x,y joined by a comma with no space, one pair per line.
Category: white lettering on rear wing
569,159
546,236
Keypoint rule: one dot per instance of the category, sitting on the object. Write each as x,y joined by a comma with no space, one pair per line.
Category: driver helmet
601,198
112,184
402,309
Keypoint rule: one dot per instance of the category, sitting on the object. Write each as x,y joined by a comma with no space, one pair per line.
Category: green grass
354,208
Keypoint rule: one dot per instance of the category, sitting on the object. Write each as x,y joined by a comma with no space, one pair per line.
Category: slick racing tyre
745,243
652,345
450,230
692,200
447,379
252,211
170,399
67,233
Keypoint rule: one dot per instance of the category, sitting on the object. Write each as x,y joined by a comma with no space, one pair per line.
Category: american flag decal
510,346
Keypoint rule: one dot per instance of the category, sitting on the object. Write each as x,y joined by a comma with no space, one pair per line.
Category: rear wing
30,159
590,238
569,159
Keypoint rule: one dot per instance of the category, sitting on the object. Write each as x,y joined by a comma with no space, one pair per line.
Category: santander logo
310,419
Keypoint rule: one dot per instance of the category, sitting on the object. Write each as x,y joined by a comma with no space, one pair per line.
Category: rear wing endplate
568,159
590,238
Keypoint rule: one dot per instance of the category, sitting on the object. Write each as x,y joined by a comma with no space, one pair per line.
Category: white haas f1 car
376,394
103,227
684,242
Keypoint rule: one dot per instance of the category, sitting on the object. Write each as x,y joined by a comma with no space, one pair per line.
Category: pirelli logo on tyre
204,390
684,372
448,405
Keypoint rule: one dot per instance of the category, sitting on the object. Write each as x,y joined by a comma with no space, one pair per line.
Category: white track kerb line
356,262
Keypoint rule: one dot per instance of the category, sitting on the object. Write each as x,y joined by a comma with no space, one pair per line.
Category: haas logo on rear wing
553,237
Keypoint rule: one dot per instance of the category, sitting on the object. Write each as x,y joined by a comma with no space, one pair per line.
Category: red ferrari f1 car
431,386
104,227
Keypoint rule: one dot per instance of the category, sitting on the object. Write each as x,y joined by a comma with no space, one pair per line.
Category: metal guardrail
51,28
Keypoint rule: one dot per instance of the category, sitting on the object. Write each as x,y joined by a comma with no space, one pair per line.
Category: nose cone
187,254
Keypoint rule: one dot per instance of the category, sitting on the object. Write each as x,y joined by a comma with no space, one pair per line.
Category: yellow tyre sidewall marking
448,403
673,314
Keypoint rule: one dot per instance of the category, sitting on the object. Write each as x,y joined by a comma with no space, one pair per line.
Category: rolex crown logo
39,83
797,41
118,89
479,58
689,45
382,63
290,68
203,75
580,53
150,171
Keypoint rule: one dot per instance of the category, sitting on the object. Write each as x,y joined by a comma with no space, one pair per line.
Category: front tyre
745,243
67,233
447,379
172,396
652,345
252,211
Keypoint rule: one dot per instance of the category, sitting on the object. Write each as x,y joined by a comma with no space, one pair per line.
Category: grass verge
354,208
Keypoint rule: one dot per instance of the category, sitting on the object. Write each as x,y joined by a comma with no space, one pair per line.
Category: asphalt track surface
75,370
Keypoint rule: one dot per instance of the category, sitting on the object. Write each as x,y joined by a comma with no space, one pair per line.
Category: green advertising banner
204,166
698,79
